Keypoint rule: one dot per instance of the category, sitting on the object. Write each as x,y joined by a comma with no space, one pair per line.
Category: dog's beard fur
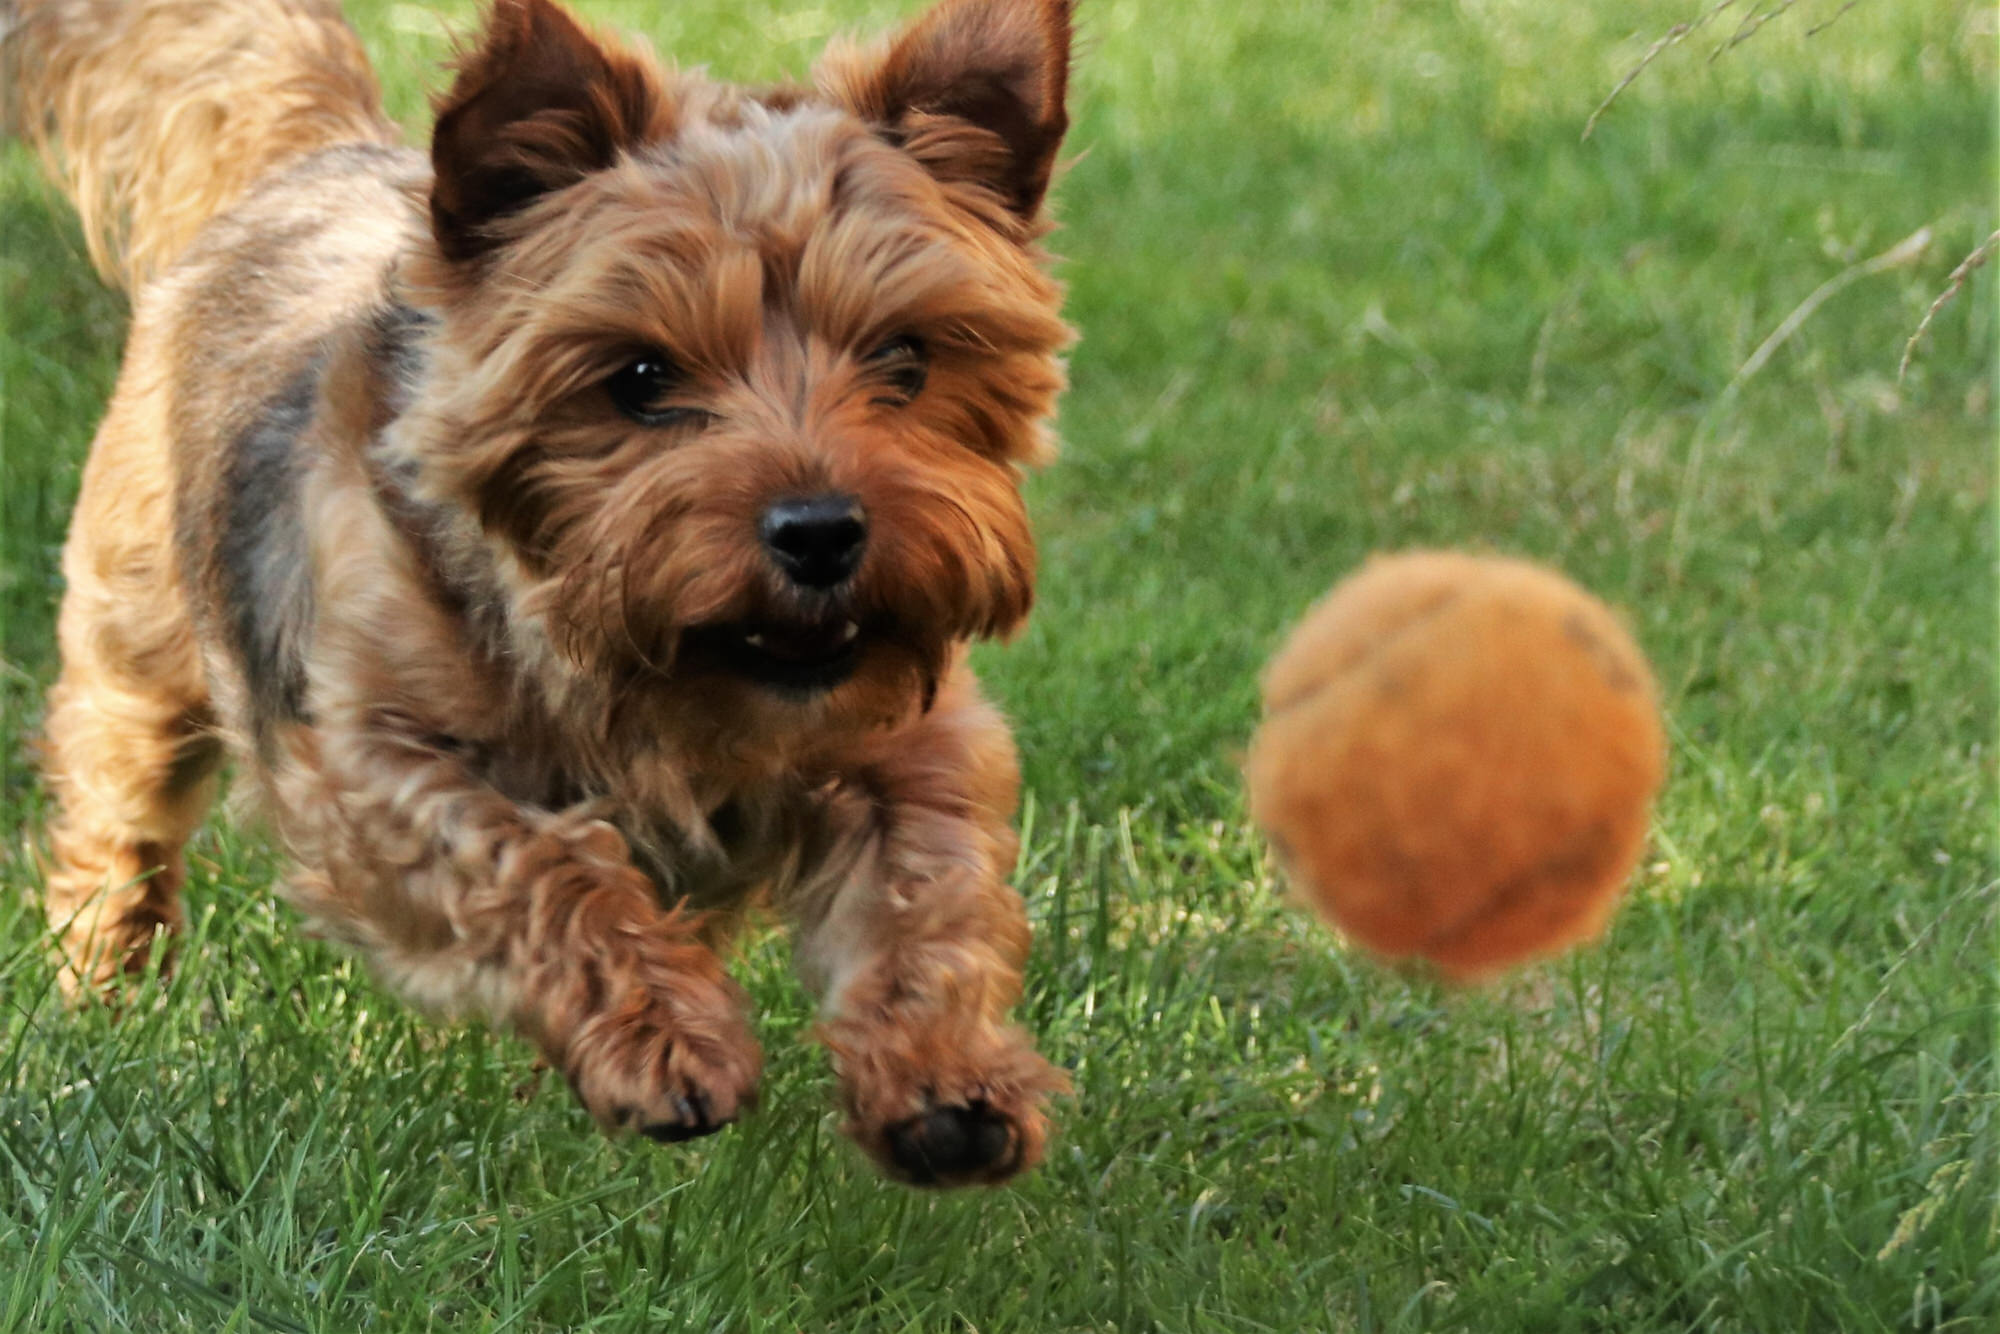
765,246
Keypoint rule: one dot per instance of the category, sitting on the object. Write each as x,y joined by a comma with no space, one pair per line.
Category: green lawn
1348,279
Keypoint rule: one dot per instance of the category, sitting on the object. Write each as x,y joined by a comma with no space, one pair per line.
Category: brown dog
574,535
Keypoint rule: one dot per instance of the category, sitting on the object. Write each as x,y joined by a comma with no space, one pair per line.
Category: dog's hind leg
128,754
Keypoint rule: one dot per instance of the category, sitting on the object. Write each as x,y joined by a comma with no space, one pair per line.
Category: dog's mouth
796,657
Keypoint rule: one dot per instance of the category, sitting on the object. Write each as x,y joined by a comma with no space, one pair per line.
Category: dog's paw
646,1068
954,1144
943,1106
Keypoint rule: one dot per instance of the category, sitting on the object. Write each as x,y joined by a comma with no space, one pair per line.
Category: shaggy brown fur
573,535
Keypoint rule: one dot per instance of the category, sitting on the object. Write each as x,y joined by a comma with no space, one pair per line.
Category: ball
1457,760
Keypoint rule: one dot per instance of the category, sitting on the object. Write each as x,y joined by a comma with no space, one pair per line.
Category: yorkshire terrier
572,536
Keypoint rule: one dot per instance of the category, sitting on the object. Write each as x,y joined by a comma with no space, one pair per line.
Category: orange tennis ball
1457,760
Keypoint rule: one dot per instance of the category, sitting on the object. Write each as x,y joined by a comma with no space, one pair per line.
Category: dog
572,536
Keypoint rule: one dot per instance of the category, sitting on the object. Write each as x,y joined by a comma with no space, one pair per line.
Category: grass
1348,280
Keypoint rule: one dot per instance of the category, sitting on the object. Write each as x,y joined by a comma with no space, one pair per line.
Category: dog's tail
155,115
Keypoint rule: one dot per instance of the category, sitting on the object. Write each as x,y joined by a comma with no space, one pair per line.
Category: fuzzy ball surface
1458,759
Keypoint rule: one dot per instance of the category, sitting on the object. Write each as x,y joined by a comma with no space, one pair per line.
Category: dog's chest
745,846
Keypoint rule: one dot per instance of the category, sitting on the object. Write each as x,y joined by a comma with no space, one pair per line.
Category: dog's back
155,115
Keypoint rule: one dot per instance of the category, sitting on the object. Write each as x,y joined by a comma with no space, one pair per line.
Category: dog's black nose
817,541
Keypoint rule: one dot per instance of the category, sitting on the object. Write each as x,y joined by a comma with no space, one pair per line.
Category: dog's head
739,384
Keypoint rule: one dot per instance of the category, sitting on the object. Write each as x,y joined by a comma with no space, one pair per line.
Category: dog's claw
673,1132
693,1118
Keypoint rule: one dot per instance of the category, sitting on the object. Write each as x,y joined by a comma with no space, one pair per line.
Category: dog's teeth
848,632
754,641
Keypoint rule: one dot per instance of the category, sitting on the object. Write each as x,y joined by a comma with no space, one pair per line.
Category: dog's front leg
464,898
915,942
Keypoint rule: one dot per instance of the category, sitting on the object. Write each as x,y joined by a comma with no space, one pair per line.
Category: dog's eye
647,390
902,364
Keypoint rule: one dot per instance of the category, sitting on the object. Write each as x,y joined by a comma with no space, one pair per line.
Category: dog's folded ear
975,90
538,104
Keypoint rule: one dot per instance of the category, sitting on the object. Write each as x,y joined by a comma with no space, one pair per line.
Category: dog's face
742,384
